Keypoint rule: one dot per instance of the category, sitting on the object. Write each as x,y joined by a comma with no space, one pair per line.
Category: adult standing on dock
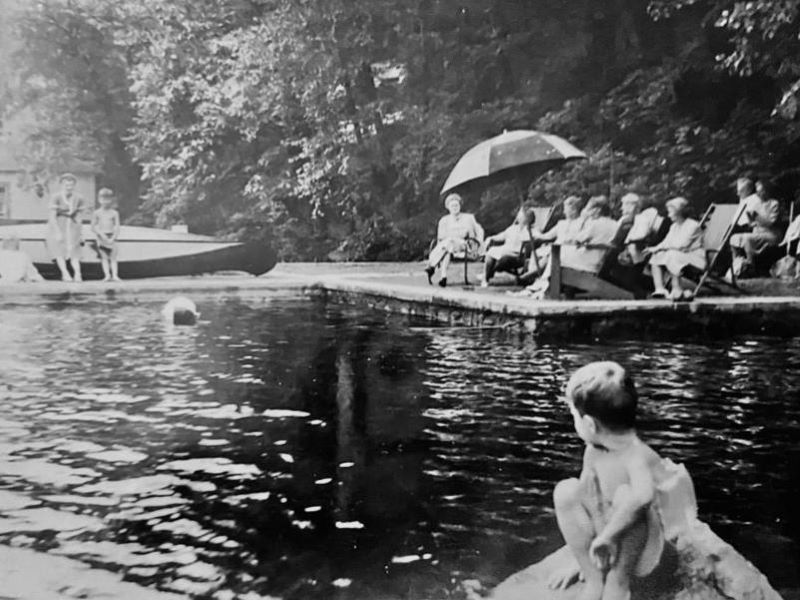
454,231
64,228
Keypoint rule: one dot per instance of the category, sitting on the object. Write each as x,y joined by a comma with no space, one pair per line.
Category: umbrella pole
520,190
610,176
522,197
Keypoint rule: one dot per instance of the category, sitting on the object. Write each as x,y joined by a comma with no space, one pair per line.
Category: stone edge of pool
399,288
775,315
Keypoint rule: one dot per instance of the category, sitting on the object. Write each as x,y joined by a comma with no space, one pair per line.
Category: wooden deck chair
546,218
718,224
473,249
586,283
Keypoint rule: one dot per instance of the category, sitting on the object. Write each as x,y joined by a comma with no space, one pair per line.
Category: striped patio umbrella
521,154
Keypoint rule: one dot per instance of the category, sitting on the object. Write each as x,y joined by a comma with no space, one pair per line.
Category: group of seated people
640,240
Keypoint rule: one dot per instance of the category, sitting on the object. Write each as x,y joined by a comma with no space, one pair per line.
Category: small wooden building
26,197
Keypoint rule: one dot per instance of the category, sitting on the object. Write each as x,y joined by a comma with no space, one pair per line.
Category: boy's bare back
608,516
617,467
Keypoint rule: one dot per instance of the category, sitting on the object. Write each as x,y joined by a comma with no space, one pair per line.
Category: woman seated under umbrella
507,253
454,232
682,247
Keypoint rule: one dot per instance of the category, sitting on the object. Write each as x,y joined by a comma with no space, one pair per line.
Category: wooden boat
147,252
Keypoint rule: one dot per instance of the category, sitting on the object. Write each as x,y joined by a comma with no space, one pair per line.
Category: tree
72,90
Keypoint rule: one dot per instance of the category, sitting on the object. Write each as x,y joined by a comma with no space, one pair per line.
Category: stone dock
770,308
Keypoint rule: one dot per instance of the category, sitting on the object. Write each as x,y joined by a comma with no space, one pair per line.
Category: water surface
288,448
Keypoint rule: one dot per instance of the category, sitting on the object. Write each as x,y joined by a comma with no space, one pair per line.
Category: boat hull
148,252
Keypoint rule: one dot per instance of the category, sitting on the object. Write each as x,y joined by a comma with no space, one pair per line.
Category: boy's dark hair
604,391
106,193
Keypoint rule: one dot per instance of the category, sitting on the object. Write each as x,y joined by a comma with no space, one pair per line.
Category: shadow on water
295,449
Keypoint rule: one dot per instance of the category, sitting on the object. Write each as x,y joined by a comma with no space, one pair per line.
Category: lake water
291,449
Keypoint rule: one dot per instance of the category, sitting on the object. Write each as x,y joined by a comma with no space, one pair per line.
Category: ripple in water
287,449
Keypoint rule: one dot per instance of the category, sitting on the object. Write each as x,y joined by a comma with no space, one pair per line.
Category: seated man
647,229
746,192
453,232
506,255
16,265
763,216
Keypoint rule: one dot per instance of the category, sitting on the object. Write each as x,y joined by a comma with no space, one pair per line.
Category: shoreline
401,288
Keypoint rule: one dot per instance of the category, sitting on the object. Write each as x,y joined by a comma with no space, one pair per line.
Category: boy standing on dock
609,517
105,224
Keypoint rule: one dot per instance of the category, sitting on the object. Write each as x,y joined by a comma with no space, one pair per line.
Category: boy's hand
562,578
603,552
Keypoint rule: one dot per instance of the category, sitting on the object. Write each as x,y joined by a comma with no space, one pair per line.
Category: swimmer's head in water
181,311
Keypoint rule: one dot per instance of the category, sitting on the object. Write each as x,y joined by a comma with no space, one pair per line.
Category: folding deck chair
584,283
718,225
472,253
546,218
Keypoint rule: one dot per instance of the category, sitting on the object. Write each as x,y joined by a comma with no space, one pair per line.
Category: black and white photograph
399,299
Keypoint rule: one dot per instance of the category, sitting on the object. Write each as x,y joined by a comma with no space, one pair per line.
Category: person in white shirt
595,237
506,254
584,249
746,191
648,229
562,233
682,247
453,232
16,265
764,230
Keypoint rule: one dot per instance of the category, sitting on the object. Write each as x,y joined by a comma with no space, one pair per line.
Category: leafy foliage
329,126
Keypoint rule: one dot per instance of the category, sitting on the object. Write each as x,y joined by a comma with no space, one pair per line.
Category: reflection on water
287,448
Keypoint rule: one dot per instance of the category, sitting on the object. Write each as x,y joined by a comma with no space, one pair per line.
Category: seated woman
586,247
16,265
682,247
647,229
506,255
764,218
453,232
563,233
595,237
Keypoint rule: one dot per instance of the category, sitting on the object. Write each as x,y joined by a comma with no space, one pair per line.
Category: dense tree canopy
329,126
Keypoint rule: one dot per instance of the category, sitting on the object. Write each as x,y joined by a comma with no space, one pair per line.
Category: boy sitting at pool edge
608,517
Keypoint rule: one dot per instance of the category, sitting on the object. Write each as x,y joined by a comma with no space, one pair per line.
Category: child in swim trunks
610,517
105,224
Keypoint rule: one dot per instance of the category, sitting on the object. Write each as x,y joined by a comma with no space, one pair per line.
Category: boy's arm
95,219
116,224
628,509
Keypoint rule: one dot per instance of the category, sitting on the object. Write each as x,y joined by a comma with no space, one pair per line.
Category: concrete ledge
475,308
401,288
